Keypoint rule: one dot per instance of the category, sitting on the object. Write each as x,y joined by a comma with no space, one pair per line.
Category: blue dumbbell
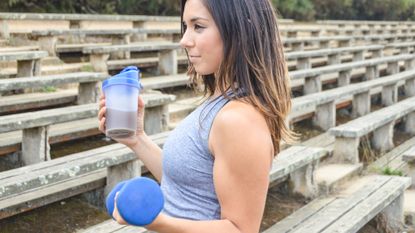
109,202
139,201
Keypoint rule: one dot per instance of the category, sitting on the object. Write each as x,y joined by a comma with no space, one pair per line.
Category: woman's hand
131,141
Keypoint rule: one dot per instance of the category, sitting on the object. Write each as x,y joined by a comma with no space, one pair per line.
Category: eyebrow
194,19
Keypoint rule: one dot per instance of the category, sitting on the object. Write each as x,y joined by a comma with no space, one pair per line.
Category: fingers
116,215
102,112
140,102
101,126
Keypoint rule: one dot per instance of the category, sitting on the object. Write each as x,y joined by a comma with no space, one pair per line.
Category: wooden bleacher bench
156,120
47,39
323,104
380,122
409,157
53,180
141,62
167,55
312,77
35,125
28,62
334,54
87,90
298,44
341,214
76,48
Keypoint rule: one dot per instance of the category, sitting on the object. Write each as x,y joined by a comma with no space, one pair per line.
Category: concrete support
122,172
312,85
410,123
346,150
377,53
334,59
28,68
325,116
35,145
409,64
389,94
345,43
324,44
393,68
303,63
410,87
303,180
99,62
88,93
297,46
48,43
344,78
4,29
358,56
394,214
121,40
383,137
361,104
372,72
168,62
138,36
156,119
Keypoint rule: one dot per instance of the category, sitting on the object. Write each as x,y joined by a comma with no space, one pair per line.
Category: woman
214,166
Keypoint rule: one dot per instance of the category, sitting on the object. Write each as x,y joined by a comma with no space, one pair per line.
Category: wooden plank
364,125
47,117
326,216
292,159
13,103
393,155
24,55
50,80
362,213
299,216
134,47
42,196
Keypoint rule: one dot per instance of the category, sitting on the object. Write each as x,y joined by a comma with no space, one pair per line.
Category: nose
187,40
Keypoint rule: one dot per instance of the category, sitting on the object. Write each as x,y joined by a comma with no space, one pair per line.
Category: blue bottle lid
128,76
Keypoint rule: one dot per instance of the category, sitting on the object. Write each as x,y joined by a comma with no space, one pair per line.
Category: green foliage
391,172
48,89
295,9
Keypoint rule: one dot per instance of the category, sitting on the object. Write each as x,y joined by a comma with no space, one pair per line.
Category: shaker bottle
121,96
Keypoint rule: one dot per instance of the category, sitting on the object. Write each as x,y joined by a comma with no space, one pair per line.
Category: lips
193,58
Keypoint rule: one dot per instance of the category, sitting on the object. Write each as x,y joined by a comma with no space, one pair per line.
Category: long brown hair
255,63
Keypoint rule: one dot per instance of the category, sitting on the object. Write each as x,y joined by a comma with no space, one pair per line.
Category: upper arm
242,146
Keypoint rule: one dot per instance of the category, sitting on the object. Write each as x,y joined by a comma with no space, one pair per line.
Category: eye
198,27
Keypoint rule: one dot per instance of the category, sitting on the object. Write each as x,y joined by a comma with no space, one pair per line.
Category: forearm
150,154
167,224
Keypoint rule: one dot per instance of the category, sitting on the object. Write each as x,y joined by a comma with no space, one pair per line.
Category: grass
87,68
391,172
48,89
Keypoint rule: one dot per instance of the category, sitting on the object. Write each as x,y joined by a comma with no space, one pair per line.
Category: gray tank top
187,180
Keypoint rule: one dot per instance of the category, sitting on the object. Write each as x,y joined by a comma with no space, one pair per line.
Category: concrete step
331,176
51,61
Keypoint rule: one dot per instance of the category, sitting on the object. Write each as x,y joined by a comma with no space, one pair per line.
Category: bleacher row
370,74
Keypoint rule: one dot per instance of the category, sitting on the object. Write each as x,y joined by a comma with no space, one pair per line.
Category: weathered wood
50,80
296,218
387,199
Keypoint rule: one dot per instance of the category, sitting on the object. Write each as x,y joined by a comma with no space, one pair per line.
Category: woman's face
201,38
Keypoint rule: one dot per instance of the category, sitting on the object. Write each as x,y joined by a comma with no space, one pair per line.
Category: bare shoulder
239,123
